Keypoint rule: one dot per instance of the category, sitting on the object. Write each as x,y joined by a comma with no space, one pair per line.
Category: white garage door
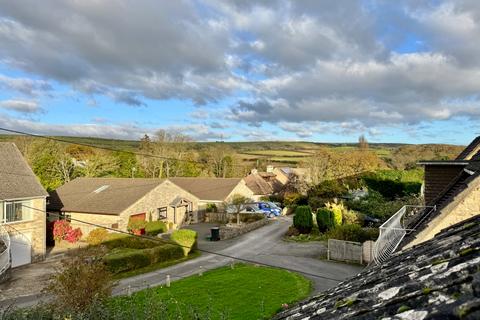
21,248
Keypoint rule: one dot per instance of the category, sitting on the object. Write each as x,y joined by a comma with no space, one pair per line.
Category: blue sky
327,71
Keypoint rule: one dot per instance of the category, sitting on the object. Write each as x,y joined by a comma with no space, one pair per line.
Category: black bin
215,234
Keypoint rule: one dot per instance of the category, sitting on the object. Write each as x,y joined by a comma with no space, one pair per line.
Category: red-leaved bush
62,230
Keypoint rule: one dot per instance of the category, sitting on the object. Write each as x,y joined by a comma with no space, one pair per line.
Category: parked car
249,208
270,208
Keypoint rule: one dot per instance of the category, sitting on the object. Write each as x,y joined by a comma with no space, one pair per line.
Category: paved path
264,245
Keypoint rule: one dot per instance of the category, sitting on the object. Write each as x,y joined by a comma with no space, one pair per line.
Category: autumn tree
362,143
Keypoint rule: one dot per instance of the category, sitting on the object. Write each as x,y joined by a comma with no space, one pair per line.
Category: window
162,213
16,211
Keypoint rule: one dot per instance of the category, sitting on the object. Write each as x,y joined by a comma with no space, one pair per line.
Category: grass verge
245,292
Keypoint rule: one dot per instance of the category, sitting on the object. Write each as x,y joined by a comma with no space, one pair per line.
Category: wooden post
201,271
129,290
167,281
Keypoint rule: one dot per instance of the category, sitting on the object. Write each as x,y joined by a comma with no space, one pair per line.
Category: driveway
264,245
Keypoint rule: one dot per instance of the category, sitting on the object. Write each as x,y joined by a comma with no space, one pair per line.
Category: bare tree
238,203
362,143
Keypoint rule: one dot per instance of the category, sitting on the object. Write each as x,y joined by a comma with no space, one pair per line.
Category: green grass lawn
246,292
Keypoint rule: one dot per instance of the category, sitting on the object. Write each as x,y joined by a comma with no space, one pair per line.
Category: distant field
278,153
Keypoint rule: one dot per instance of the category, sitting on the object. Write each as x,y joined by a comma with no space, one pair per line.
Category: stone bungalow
111,202
213,190
258,185
22,207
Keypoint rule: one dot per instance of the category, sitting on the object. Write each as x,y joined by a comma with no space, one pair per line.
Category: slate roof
208,189
438,279
17,179
100,195
258,185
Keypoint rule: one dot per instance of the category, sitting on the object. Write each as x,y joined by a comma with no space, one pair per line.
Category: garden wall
232,232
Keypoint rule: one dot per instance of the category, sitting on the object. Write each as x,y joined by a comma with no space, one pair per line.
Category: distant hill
396,155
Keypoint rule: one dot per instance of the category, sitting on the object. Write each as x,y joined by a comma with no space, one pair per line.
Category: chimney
269,168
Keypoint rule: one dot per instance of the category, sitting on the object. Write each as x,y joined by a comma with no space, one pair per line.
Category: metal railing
5,260
393,231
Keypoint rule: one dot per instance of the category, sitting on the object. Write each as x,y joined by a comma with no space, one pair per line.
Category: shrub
62,230
121,240
82,280
303,220
186,238
352,232
97,236
155,227
294,199
337,211
164,253
136,224
352,217
123,259
248,217
324,219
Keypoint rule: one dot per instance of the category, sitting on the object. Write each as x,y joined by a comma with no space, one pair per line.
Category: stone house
22,207
112,202
258,185
213,190
452,187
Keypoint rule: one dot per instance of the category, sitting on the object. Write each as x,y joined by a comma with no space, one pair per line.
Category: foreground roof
100,195
213,189
471,152
17,179
438,279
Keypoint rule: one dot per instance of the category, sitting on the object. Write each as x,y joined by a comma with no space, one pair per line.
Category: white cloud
22,106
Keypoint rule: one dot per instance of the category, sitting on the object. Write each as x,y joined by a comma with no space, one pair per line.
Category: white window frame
27,204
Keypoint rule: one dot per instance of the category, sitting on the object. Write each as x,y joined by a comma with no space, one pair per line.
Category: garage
21,249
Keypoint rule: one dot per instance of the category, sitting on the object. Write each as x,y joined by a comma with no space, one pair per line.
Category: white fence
393,231
4,250
349,251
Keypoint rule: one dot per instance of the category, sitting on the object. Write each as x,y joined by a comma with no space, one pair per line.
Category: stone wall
232,232
35,229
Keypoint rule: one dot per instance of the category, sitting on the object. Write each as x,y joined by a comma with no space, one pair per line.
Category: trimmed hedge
120,240
155,227
324,219
124,259
303,220
353,232
186,238
164,253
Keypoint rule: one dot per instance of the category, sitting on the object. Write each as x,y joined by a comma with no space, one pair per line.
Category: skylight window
102,188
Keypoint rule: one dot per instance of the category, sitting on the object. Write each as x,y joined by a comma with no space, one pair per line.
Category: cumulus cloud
344,66
21,106
26,86
123,131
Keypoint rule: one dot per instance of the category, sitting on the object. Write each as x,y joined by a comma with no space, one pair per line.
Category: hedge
97,236
155,227
186,238
303,220
120,240
164,253
353,232
123,259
